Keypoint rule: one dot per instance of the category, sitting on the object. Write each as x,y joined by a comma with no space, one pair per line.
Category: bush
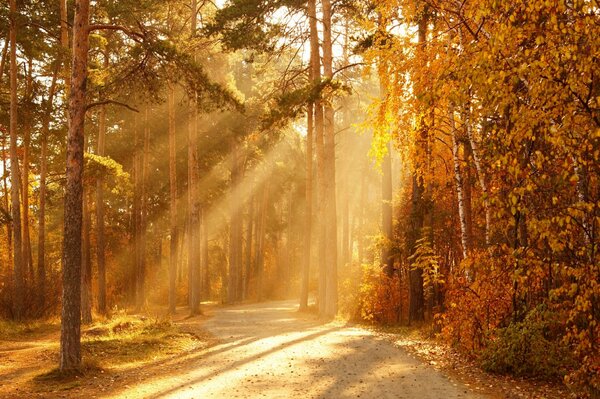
530,348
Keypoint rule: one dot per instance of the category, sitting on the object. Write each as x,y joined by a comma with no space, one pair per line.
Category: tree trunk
249,244
194,203
194,225
66,48
27,255
15,180
41,264
204,255
235,235
458,182
86,271
329,164
142,212
386,212
361,214
308,216
70,348
137,211
4,56
482,181
315,61
6,203
260,252
173,203
100,238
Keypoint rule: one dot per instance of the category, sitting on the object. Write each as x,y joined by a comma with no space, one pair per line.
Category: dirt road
268,350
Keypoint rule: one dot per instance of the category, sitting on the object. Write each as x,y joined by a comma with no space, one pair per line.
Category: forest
181,178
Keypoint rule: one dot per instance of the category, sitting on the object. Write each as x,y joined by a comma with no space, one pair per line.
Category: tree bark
70,348
6,205
234,230
142,171
459,184
86,271
315,61
172,203
386,212
329,163
260,248
386,187
27,255
137,210
204,255
194,203
100,236
41,263
249,245
15,179
308,216
482,181
66,49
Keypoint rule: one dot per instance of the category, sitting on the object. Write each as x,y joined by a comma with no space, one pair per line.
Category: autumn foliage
496,105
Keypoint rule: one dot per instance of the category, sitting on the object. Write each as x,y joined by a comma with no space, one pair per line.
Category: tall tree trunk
86,266
137,210
386,183
100,237
70,348
6,204
309,213
346,245
4,56
235,235
315,61
260,241
194,203
482,181
361,214
459,184
233,271
66,48
194,225
41,263
468,189
204,255
249,245
173,203
329,163
27,255
141,230
15,180
386,212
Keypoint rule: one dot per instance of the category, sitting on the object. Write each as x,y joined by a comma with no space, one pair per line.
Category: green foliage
529,348
245,24
110,170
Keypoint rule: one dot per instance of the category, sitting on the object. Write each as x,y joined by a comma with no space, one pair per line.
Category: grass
124,340
23,331
119,346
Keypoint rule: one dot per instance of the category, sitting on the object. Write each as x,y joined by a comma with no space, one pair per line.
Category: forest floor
248,351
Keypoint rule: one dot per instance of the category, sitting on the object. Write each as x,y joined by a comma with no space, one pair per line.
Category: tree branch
348,66
105,102
138,37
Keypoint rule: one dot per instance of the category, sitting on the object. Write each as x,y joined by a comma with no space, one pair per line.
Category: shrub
530,348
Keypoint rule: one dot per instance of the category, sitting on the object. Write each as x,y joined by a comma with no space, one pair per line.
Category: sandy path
268,350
